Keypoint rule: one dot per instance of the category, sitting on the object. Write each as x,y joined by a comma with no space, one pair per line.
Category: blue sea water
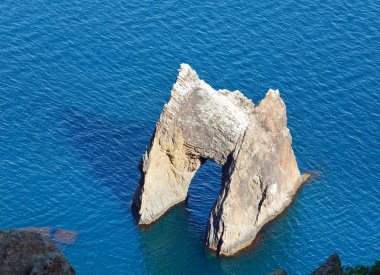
82,84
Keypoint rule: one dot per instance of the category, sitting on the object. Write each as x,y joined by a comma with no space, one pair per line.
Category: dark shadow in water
171,246
111,148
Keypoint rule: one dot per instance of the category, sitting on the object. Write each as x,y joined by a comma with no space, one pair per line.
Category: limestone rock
252,143
27,252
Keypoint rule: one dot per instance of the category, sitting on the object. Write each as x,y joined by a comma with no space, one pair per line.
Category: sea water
82,84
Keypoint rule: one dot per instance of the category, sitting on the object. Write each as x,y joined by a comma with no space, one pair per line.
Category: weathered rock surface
252,143
26,252
333,265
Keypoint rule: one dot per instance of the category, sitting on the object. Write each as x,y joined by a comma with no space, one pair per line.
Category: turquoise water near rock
82,84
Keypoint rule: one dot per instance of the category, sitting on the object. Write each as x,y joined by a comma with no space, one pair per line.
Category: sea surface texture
82,84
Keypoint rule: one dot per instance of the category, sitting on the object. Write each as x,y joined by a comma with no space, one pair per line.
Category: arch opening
203,192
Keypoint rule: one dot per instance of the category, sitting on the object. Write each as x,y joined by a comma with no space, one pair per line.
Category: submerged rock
333,265
278,271
28,252
252,143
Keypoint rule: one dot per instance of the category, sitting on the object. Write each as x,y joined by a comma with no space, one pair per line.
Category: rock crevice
252,143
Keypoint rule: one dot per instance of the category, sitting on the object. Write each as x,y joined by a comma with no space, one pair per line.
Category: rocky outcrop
333,265
28,252
252,143
278,271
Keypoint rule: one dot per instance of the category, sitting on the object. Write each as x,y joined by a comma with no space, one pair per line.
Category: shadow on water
112,149
171,245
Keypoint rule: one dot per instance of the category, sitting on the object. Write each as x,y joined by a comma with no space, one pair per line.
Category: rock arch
252,143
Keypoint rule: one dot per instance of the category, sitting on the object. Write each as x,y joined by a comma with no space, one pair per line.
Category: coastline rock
333,265
278,271
252,143
27,252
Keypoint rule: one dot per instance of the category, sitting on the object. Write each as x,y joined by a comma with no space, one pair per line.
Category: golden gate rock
252,143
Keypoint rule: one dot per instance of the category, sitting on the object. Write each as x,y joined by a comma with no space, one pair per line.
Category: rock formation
252,143
278,271
333,265
28,252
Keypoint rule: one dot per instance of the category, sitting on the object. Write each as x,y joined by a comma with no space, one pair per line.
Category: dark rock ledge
28,252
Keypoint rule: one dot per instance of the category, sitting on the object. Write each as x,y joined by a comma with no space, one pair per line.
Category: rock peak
252,143
273,93
185,69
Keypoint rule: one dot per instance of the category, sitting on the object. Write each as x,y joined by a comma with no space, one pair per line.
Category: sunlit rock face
252,143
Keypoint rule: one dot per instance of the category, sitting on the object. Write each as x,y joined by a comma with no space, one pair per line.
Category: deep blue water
82,84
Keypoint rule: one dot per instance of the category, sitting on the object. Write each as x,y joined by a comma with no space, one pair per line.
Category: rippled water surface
82,84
